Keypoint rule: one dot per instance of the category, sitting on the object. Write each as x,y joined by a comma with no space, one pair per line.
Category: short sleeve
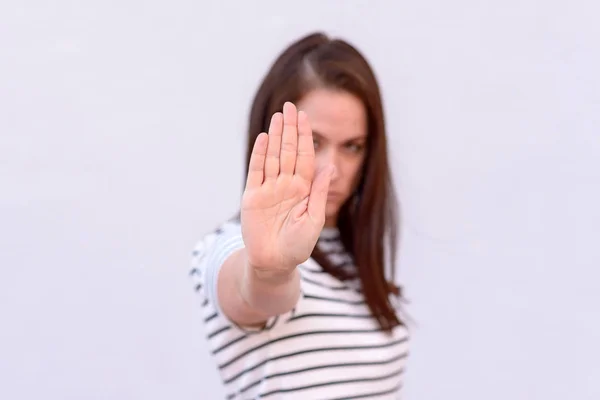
208,257
210,253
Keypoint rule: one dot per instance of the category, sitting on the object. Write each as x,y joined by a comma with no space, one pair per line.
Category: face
339,123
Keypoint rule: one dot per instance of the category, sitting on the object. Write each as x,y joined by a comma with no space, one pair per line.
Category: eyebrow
354,139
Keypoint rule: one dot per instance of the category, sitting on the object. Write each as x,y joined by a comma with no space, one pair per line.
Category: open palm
283,206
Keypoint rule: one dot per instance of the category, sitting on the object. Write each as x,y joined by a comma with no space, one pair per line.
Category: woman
294,292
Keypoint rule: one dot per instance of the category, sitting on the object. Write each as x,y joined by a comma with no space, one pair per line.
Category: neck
331,222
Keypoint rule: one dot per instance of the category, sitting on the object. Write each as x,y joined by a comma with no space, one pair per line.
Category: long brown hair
368,222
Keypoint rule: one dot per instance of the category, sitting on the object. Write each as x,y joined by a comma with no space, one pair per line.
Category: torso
328,347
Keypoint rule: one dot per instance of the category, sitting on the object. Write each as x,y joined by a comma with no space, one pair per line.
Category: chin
331,211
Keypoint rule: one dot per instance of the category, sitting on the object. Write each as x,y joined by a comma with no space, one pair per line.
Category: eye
355,147
316,143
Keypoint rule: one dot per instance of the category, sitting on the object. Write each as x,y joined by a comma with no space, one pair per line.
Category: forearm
249,297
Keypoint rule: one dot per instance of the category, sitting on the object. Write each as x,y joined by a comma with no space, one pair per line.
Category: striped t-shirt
328,347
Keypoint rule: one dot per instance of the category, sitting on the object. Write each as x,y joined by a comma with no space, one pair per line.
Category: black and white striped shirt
329,347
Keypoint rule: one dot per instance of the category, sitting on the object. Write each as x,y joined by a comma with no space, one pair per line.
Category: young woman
297,292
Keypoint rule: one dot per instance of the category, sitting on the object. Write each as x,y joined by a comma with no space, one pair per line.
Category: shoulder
216,239
227,228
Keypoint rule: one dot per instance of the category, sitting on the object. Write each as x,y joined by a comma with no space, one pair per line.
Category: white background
122,132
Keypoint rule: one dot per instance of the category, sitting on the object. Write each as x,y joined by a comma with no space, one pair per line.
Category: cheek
351,174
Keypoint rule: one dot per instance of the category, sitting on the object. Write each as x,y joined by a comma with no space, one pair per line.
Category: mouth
334,196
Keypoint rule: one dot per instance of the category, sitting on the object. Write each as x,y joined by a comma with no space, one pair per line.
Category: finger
289,139
256,167
305,159
318,195
274,146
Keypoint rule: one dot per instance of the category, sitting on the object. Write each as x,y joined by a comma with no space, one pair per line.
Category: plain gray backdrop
122,133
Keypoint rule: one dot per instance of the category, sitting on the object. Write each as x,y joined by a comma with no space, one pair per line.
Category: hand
283,206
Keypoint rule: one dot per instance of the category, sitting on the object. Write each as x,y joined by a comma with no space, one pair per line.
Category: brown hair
368,222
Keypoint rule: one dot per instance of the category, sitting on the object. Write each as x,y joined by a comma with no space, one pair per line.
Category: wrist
270,276
269,292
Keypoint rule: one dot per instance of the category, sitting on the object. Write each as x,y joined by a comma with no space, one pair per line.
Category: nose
329,157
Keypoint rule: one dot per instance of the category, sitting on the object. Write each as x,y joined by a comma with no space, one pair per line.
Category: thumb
317,200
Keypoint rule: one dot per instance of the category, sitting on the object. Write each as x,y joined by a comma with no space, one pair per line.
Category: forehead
335,115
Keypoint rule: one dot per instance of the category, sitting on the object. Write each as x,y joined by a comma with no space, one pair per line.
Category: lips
334,195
